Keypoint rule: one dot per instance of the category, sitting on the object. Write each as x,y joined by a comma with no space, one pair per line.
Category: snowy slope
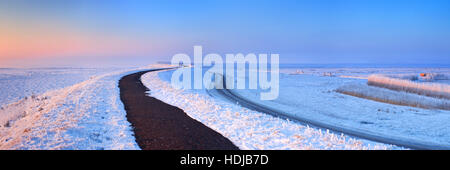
87,115
246,128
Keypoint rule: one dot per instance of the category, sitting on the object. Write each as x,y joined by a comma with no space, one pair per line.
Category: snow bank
248,129
394,97
427,89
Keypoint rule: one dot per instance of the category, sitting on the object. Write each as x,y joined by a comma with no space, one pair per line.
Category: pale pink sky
319,31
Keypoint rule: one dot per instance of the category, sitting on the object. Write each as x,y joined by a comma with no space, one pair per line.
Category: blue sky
309,31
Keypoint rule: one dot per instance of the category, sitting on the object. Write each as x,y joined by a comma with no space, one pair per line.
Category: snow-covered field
16,84
86,115
81,109
313,96
246,128
365,72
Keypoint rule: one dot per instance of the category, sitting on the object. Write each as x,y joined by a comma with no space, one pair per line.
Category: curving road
407,143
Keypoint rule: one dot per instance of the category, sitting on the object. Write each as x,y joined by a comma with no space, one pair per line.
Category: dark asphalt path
159,126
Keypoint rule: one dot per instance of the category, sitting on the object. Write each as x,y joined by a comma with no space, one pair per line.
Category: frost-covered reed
394,97
422,88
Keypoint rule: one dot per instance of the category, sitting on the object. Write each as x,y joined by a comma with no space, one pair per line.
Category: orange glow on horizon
44,40
60,44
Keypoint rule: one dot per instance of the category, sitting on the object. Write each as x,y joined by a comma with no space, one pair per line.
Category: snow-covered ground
313,96
81,109
246,128
86,115
364,72
16,84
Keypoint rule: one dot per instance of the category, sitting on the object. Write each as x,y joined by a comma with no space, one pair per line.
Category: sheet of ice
87,115
246,128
